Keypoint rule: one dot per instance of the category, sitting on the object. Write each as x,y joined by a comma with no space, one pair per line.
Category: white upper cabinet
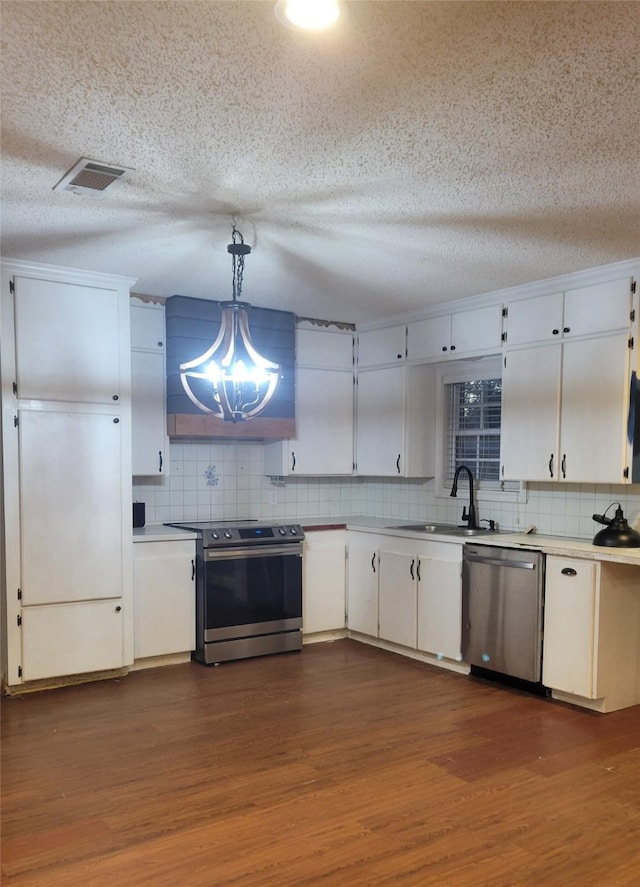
474,332
565,409
588,310
323,444
382,347
150,444
147,326
395,423
598,309
68,341
534,320
567,391
324,348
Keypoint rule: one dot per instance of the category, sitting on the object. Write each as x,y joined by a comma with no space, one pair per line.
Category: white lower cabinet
73,638
164,598
398,591
591,653
324,581
362,583
406,591
440,599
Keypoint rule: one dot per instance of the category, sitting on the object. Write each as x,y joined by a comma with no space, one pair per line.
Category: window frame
466,371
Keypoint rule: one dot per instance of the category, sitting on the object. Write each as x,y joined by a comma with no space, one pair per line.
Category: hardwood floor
340,765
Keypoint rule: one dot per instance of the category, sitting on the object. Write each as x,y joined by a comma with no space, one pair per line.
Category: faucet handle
492,524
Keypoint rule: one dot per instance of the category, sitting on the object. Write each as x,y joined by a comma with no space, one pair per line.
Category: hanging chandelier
242,382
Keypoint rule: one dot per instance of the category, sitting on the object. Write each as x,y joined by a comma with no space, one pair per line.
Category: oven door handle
286,550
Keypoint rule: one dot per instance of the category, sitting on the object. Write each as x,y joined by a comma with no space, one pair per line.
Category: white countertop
560,545
160,533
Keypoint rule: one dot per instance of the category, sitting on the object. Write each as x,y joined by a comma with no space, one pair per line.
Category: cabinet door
429,339
569,626
597,309
324,423
71,506
67,342
362,589
595,409
384,346
380,422
530,413
397,595
440,600
324,581
72,638
147,326
477,331
324,348
148,414
164,598
534,320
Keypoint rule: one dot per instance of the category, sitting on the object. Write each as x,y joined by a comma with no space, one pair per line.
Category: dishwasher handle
498,562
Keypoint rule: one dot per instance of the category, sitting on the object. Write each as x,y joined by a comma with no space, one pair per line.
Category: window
472,427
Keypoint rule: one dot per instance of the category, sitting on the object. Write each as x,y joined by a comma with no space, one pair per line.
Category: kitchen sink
446,529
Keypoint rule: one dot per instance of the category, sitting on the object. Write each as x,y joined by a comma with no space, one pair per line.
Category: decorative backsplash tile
225,481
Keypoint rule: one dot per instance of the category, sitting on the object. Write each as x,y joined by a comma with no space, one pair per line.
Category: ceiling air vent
91,177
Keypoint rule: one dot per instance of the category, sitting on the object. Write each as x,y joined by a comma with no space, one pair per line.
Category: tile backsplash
226,482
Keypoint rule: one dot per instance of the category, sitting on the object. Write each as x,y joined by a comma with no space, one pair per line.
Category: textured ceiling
420,152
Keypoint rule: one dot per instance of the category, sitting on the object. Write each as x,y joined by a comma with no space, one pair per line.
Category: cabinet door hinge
19,594
19,671
19,620
633,286
505,362
625,473
504,337
631,342
14,386
632,315
15,421
505,312
12,287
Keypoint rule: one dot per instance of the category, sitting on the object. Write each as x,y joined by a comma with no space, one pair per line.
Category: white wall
225,482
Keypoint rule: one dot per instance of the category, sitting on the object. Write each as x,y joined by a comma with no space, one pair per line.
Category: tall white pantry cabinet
66,463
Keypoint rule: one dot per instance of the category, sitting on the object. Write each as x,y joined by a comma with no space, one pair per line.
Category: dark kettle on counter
617,532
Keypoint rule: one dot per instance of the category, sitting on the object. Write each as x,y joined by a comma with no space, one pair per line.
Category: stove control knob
214,535
293,531
282,531
227,534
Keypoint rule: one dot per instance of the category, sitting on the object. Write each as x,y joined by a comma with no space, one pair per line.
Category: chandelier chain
237,258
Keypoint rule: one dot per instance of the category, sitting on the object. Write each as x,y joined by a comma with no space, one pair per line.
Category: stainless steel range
248,589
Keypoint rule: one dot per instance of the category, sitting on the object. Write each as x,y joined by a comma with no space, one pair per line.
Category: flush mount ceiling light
242,381
312,15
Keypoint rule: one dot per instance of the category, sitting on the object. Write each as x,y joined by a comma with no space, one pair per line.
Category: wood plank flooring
340,765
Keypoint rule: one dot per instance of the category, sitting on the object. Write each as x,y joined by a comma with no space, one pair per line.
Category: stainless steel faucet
469,517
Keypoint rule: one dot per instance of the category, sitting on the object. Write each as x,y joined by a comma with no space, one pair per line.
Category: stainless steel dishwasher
502,606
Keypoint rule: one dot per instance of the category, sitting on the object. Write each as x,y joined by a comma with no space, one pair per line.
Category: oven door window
252,590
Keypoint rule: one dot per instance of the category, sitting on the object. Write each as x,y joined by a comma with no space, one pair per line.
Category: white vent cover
91,177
